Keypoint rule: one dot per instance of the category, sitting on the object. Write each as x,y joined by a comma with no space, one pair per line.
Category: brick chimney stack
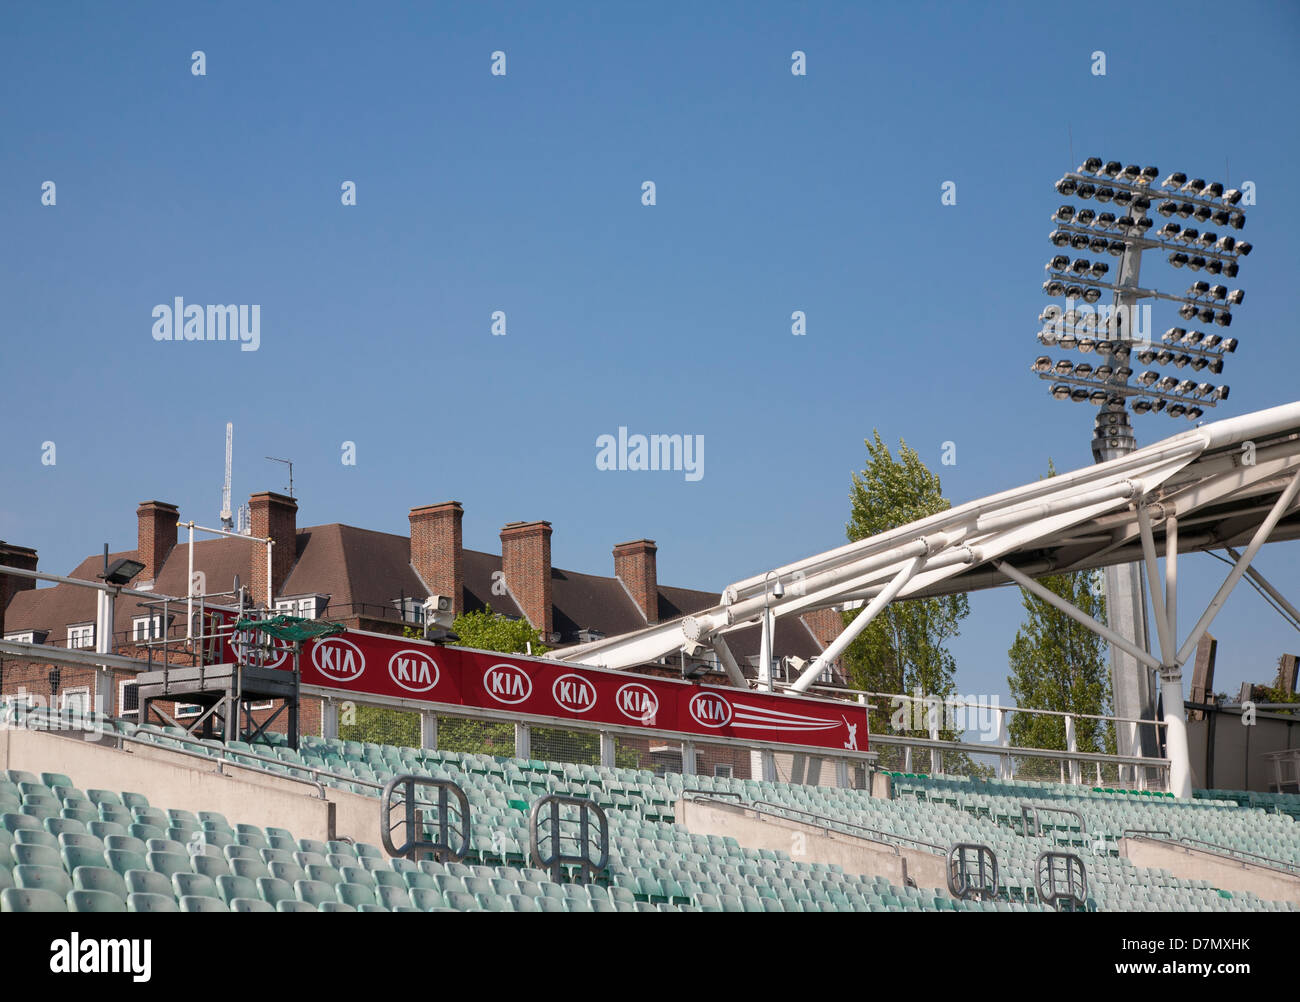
634,565
23,558
526,561
274,515
436,552
156,536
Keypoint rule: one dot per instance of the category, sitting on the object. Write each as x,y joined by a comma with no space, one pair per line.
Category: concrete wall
1224,872
1234,758
176,781
809,844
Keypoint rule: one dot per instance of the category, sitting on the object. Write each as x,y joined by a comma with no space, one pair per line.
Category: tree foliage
904,650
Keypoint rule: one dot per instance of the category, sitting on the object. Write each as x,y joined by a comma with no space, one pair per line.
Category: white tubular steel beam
729,664
1052,599
1284,502
1167,642
1171,574
863,620
1124,490
1272,592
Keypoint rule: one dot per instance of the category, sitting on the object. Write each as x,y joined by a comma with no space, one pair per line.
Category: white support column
762,765
329,719
1072,743
933,717
103,695
607,750
843,770
428,729
1005,769
523,741
1180,762
690,764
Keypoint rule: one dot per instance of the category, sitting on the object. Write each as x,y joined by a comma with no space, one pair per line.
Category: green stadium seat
249,905
49,878
91,902
313,892
139,902
32,899
202,904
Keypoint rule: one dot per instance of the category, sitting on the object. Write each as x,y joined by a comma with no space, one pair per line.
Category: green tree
1059,664
904,650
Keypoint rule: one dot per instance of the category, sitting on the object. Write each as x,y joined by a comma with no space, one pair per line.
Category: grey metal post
608,749
523,741
428,729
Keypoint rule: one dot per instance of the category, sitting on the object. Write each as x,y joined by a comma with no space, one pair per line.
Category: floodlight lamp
1086,190
1098,245
1091,295
1214,266
1184,387
1167,208
1105,221
1226,244
1177,410
1214,190
1185,209
1229,344
1147,378
1116,248
1072,317
1178,259
1083,370
1158,406
1074,292
1244,248
1164,357
1086,345
1166,383
1067,186
1047,337
1146,356
1085,217
1123,197
1216,366
1123,373
1199,363
1064,214
1219,291
1042,364
1173,334
1193,413
1203,389
1058,263
1145,222
1174,180
1231,197
1237,220
1069,342
1204,212
1053,289
1230,269
121,571
1078,394
1207,238
1141,406
1079,241
1104,371
1207,315
1125,222
1059,237
1210,341
1181,360
1198,289
1090,166
1220,393
1169,231
1236,296
1131,171
1098,269
1221,217
1223,318
1098,397
1050,315
1141,203
1113,169
1188,235
1194,186
1079,266
1150,174
1105,194
1061,392
1197,262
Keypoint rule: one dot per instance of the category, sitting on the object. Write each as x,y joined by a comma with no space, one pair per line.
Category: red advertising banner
383,665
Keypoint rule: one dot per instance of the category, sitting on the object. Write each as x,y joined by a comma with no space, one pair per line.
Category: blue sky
522,193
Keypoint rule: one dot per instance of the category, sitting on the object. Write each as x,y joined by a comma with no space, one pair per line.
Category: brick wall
635,566
526,561
274,515
436,551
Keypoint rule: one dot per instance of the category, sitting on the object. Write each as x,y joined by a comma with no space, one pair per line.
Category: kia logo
413,670
637,702
710,710
574,693
270,652
338,660
507,684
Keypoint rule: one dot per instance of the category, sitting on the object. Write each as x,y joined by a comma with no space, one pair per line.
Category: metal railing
546,815
441,847
1240,855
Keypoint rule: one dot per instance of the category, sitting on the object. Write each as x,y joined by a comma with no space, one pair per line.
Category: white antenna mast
227,522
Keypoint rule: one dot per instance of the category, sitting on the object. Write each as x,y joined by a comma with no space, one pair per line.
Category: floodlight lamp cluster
1127,226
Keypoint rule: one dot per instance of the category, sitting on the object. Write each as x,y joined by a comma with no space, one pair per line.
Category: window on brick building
722,772
146,628
77,700
81,635
128,700
22,638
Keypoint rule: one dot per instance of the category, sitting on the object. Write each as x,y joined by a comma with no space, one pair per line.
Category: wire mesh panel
555,744
717,761
380,725
472,736
631,753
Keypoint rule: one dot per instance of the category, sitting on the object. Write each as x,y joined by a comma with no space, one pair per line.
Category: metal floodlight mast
1126,229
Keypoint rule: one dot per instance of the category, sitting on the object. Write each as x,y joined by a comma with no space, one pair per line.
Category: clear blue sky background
478,193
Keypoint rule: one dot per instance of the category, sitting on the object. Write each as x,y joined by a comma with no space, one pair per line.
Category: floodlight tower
1121,334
